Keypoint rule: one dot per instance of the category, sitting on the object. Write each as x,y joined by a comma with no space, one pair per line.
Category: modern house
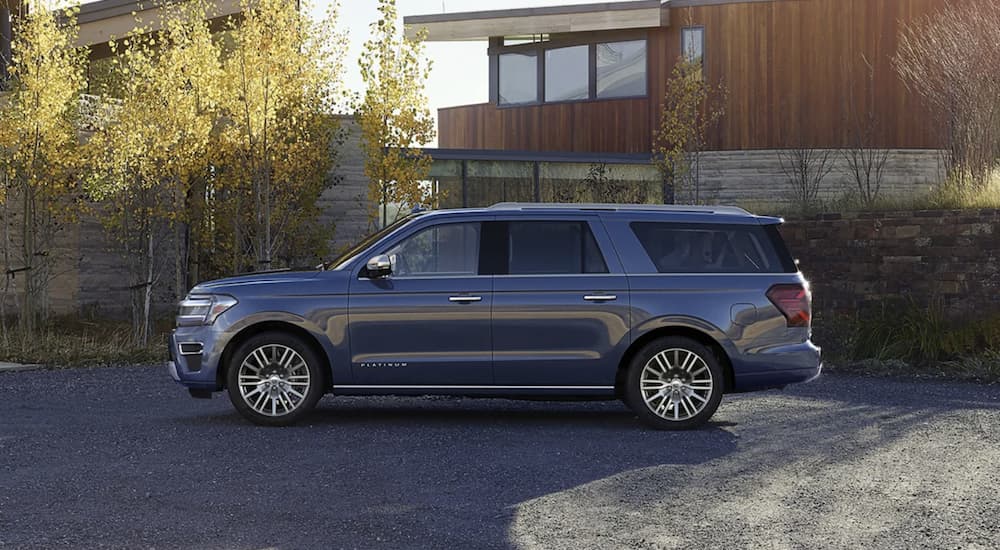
575,95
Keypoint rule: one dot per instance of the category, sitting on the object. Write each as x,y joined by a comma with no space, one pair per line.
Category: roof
481,25
98,22
671,208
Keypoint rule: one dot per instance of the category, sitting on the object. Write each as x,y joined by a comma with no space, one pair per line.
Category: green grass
73,343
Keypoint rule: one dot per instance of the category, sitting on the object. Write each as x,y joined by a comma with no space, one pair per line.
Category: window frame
545,61
589,39
701,29
539,86
645,75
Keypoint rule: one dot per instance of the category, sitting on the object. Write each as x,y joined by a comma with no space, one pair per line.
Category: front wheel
274,379
674,383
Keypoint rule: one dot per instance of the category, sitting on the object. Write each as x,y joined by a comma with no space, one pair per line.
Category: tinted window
518,78
621,69
705,248
566,73
556,248
441,250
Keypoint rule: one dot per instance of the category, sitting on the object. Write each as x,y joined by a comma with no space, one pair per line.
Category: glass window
567,73
553,248
438,251
693,44
446,177
621,69
491,181
569,182
704,248
518,78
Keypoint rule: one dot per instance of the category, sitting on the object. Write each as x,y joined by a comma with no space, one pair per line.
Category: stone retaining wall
862,259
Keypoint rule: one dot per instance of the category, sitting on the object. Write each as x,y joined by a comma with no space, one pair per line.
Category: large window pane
490,182
446,175
567,76
518,78
569,182
442,250
621,69
556,248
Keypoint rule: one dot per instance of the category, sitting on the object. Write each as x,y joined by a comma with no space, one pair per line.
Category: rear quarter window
713,248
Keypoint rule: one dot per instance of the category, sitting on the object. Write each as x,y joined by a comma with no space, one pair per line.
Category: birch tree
394,118
283,78
149,159
39,150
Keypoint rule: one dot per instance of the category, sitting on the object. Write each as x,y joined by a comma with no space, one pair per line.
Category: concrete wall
90,269
346,203
861,259
728,177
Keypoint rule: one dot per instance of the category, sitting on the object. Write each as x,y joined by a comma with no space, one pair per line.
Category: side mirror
380,266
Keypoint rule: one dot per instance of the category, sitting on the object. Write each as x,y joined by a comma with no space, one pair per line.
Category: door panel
546,333
424,331
428,323
561,313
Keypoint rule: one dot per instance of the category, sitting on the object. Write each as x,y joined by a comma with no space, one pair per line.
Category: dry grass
72,343
946,196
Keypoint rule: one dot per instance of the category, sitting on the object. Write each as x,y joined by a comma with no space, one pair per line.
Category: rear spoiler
770,220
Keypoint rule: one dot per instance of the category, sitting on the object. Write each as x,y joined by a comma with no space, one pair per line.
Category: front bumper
195,353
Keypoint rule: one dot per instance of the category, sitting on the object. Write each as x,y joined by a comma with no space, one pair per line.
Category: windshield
339,261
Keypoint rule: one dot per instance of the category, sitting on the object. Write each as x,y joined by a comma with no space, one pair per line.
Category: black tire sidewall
317,378
633,392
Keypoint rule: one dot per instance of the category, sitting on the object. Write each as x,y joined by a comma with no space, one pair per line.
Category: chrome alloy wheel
274,380
676,384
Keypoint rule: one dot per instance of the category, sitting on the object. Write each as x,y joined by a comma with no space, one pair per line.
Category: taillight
794,302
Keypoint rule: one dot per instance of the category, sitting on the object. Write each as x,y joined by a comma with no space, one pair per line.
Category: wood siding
796,70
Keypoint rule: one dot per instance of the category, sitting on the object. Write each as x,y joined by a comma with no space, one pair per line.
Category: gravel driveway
122,458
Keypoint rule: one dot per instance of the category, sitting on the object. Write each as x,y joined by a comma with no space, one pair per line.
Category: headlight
203,310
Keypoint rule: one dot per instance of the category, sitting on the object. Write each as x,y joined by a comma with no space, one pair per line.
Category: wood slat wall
796,72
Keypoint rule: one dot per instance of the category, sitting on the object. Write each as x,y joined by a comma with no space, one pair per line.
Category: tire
274,379
674,383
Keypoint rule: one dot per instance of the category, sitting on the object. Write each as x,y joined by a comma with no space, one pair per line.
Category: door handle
465,299
600,297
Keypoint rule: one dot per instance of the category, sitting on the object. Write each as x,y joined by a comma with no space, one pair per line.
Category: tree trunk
147,290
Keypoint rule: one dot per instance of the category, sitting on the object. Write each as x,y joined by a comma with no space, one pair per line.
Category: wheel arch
687,331
275,325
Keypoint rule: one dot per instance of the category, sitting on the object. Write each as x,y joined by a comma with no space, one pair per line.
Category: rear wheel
674,383
274,379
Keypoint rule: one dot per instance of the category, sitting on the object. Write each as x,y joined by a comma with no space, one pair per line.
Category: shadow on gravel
448,473
857,463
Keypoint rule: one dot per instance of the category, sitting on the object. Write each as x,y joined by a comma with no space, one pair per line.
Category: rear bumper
777,367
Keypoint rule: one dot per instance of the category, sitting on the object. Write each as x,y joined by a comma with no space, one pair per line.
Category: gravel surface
122,458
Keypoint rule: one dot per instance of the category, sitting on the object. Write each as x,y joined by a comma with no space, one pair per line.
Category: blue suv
665,307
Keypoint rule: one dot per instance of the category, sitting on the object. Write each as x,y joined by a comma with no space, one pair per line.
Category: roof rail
731,210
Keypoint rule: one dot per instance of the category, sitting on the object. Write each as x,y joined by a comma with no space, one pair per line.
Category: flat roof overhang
99,22
481,25
537,156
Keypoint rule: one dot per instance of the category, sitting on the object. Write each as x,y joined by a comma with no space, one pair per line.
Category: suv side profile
665,307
